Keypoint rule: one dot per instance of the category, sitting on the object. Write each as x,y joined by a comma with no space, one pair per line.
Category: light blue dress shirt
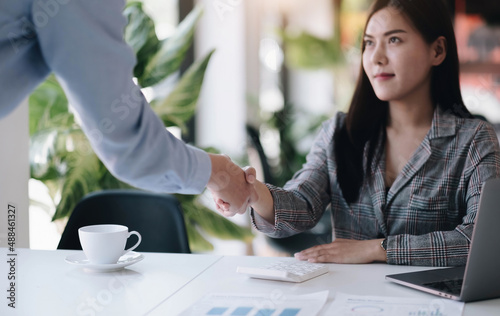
81,42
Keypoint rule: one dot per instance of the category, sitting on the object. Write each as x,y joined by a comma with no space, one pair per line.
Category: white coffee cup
105,244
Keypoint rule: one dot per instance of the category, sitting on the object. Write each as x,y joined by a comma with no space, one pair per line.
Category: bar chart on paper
251,311
355,305
272,304
372,310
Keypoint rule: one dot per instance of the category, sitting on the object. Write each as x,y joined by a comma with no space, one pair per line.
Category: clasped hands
232,187
234,190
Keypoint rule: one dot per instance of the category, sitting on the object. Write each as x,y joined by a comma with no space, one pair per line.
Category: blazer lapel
377,186
443,124
415,163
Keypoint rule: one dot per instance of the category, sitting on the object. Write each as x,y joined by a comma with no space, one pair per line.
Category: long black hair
367,115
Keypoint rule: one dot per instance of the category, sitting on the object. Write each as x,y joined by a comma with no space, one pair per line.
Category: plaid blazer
427,215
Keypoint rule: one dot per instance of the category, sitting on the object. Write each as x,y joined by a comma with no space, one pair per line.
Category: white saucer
125,260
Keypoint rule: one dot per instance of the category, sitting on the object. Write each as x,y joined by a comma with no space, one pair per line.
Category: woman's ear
438,50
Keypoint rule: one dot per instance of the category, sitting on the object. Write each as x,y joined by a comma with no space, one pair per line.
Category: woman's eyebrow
387,33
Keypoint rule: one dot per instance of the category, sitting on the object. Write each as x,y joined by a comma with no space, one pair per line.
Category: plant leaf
311,52
42,152
48,148
220,227
180,105
109,181
82,177
169,57
48,104
140,34
197,242
211,222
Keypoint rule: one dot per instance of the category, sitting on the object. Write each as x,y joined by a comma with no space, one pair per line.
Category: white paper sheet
357,305
274,303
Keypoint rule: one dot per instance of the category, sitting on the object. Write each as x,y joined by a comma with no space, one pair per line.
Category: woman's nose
379,56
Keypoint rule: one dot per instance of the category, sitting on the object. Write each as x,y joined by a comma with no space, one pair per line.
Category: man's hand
345,251
231,187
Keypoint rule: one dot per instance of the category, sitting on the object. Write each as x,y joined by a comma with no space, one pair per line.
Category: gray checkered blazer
428,213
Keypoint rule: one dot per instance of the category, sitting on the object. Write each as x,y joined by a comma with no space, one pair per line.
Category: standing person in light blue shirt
82,43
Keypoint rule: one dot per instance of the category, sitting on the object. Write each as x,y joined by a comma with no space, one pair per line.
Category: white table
363,279
47,285
167,284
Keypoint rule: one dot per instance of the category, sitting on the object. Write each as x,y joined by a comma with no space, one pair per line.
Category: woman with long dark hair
403,169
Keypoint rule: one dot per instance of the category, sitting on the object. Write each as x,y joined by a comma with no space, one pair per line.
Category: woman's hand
345,251
232,188
260,199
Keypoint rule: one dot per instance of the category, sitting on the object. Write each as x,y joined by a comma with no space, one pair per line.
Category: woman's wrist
380,253
264,204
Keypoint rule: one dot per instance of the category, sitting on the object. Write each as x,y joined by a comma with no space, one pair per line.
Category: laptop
480,278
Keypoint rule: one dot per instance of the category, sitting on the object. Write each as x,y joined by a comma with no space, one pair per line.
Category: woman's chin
384,96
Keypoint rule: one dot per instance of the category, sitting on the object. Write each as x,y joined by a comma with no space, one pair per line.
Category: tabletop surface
167,284
47,285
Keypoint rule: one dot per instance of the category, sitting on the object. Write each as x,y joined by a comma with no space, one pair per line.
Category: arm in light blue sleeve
82,43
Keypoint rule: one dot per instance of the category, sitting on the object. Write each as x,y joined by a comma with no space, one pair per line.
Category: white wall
253,23
313,89
221,116
14,174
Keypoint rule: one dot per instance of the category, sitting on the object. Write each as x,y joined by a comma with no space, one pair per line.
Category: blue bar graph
241,311
217,311
290,312
246,310
265,312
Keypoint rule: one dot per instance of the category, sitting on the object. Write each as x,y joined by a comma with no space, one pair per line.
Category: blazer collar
443,125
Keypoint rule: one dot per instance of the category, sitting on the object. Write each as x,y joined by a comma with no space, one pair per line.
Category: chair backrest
262,163
157,217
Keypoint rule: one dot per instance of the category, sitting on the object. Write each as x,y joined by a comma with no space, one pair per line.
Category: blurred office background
281,67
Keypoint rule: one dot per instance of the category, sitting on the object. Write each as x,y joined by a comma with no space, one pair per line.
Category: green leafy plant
307,51
61,156
294,125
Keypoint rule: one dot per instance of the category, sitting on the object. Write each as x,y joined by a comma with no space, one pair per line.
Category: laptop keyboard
450,286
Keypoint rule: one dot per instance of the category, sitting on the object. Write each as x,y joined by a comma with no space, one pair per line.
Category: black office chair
260,163
157,217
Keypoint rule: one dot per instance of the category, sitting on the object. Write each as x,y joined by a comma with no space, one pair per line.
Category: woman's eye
368,42
394,40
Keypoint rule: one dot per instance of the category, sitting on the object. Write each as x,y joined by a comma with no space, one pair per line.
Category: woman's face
396,58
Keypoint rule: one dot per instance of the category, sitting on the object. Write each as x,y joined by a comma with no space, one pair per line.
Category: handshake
233,188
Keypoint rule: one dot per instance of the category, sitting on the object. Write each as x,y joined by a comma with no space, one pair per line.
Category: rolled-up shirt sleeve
82,43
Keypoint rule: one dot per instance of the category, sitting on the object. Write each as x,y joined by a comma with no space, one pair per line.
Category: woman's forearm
264,205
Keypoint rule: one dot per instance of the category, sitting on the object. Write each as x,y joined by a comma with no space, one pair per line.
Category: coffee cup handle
136,244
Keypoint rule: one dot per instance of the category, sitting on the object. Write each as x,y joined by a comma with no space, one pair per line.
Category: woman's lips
384,76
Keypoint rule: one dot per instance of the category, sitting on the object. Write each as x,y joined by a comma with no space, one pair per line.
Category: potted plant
61,156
